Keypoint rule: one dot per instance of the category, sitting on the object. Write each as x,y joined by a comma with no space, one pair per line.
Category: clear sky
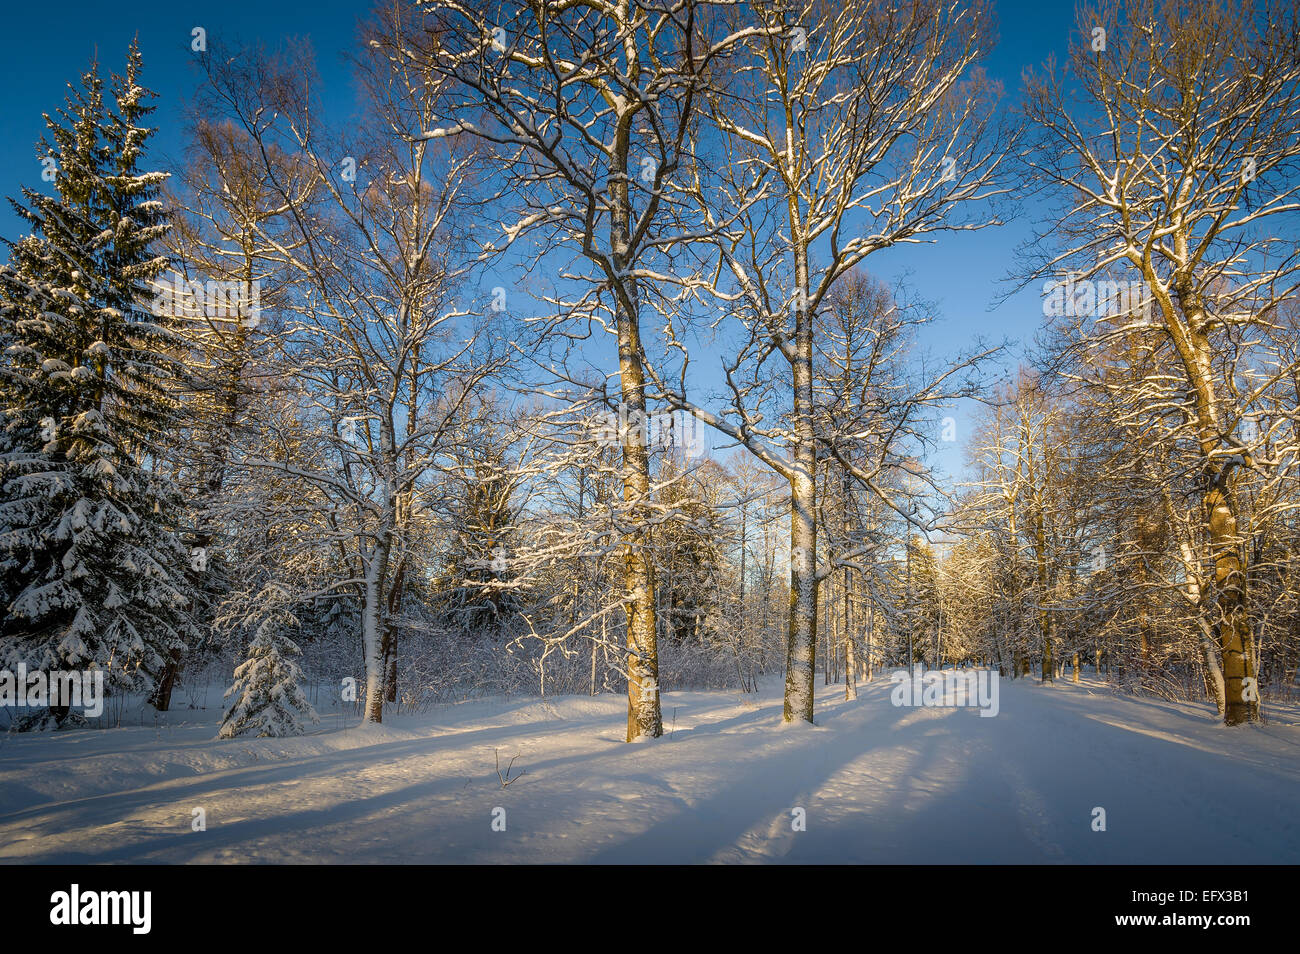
46,45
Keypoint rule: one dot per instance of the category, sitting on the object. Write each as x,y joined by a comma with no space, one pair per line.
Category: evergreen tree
267,699
94,571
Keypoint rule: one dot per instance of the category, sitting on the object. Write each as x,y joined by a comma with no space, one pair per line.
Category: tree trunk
643,715
800,663
394,602
1044,616
1241,691
372,638
373,622
1213,671
871,625
390,665
850,647
162,693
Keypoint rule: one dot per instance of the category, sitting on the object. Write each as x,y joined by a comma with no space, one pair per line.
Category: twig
506,779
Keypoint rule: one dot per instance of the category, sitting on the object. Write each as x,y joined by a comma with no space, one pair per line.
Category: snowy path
878,783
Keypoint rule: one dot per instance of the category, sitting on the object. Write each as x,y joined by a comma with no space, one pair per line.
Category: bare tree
588,106
1172,139
382,359
841,129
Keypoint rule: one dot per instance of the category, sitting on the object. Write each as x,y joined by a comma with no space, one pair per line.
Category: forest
559,364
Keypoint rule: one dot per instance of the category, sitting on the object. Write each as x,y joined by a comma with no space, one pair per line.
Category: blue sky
47,45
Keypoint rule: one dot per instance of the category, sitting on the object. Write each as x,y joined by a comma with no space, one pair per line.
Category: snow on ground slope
877,784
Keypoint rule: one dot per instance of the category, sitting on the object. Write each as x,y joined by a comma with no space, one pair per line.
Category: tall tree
841,129
588,106
95,571
1173,138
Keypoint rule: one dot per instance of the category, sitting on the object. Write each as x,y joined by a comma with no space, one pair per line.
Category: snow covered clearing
877,783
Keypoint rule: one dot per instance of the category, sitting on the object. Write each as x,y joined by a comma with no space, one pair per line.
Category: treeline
1084,543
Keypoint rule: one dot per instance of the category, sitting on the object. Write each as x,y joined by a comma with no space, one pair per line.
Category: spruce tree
95,572
266,699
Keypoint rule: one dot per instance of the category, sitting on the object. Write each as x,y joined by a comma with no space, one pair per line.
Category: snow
877,783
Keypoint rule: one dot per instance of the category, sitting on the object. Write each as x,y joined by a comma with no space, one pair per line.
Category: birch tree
383,357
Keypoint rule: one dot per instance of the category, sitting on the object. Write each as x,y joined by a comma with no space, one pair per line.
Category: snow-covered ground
877,784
